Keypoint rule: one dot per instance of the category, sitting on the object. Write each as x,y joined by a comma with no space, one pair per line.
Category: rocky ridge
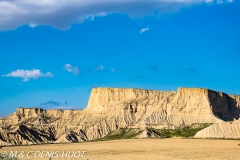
112,108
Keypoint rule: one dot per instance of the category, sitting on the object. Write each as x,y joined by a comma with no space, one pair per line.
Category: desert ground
140,149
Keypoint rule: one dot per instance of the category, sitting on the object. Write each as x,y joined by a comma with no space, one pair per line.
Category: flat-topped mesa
187,104
25,113
202,101
35,112
114,95
112,108
190,91
29,112
103,97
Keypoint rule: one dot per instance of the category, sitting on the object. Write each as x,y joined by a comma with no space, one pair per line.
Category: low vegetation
186,131
122,133
129,133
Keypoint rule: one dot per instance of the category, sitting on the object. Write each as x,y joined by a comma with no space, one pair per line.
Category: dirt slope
112,108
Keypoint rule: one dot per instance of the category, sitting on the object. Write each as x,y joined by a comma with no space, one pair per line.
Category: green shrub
186,132
122,133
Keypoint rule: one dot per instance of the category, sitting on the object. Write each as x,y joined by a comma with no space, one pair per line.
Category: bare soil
142,149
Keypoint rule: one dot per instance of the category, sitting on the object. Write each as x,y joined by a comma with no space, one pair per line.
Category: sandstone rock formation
112,108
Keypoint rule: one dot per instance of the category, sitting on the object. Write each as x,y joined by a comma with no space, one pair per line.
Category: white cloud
100,68
32,25
143,30
209,1
114,70
28,74
62,13
220,1
70,68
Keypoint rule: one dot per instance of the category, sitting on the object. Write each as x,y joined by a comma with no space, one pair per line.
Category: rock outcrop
221,130
113,108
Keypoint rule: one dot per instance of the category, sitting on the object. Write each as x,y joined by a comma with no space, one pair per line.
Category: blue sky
52,53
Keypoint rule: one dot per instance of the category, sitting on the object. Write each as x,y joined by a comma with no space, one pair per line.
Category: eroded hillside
112,108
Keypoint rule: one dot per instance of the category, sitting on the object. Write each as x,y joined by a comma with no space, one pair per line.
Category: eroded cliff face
112,108
227,108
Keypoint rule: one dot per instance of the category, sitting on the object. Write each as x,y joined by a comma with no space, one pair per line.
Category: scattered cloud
70,68
53,103
100,68
221,1
62,14
28,74
143,30
218,1
32,25
208,1
113,70
154,68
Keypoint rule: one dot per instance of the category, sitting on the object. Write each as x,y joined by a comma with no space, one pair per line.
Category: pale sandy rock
220,130
112,108
147,134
